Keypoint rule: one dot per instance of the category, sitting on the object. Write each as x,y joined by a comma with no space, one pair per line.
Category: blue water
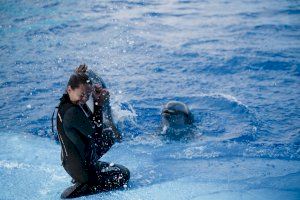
236,64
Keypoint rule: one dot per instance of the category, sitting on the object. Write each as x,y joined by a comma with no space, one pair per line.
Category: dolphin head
176,114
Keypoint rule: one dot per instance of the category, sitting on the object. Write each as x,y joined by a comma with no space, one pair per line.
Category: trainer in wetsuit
84,140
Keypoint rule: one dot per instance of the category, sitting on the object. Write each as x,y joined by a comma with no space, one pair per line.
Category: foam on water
157,171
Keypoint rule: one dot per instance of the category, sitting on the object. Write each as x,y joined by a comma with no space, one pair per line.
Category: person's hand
100,94
81,69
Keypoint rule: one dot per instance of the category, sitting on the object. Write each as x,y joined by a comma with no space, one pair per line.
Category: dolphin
177,121
176,114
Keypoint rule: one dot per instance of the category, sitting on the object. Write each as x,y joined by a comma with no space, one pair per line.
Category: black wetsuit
84,141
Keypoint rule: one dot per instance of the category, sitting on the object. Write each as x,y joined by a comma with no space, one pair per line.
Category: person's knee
125,173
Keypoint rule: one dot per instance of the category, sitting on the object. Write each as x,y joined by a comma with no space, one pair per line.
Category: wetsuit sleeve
75,118
109,120
107,110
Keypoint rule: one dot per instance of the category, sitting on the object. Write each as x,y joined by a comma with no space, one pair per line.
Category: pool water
236,64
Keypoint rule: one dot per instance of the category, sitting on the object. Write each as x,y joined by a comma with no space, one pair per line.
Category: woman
84,139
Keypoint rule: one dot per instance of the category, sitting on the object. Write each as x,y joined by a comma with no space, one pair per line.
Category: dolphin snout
168,112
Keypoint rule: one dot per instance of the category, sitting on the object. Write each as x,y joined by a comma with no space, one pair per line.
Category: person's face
81,94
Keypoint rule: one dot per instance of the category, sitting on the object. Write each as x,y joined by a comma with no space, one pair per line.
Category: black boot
76,190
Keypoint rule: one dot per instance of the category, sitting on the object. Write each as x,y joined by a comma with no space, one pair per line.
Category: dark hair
77,79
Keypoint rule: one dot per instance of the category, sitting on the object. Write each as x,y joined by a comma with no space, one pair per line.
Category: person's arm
101,97
110,122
